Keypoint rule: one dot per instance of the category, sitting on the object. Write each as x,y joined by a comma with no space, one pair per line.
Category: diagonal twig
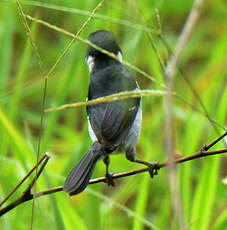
27,195
22,181
207,147
75,37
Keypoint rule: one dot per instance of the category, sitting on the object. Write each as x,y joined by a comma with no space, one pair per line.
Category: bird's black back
111,121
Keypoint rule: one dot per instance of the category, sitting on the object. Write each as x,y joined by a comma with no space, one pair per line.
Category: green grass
136,202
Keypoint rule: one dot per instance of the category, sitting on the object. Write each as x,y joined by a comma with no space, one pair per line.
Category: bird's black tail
79,177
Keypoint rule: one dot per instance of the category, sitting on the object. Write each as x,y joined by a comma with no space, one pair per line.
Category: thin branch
75,37
39,143
28,190
22,181
26,196
112,97
39,172
207,147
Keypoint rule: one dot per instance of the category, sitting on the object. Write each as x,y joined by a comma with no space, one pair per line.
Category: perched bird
113,126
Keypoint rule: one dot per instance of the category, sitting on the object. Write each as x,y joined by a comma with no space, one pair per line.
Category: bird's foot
109,179
153,168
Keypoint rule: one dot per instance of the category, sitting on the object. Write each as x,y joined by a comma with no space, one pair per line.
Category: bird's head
105,40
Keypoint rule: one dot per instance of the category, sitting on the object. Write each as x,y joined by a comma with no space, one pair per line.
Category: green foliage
136,202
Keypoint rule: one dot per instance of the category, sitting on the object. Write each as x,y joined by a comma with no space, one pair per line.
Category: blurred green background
136,202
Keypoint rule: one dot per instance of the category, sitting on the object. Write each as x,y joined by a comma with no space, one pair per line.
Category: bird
113,126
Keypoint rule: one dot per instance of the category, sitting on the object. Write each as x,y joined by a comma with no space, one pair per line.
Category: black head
105,40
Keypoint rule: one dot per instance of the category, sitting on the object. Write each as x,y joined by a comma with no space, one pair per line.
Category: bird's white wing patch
90,62
119,55
91,132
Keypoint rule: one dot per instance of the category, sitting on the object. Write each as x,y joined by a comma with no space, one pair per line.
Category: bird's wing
111,121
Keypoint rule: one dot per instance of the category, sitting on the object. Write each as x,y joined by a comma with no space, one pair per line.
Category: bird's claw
110,179
153,168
